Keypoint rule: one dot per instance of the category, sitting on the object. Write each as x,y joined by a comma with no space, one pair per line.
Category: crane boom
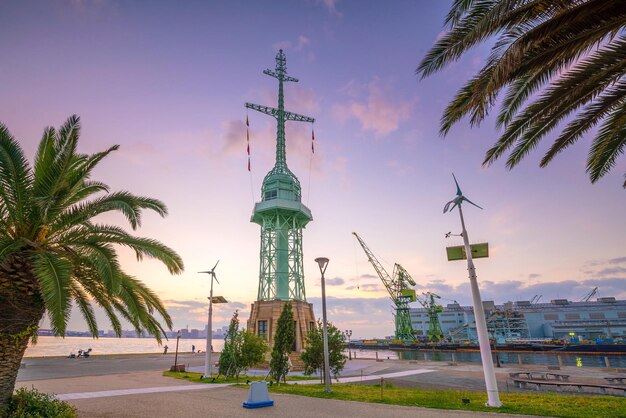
399,291
380,270
590,294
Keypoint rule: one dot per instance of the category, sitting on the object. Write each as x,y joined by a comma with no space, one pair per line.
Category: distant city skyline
168,83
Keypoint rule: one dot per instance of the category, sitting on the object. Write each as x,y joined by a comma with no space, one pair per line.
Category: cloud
194,312
367,287
234,136
611,271
337,281
373,107
298,45
534,275
599,263
331,6
503,291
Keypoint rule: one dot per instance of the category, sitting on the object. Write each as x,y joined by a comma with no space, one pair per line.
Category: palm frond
53,274
569,52
8,247
592,115
129,205
82,300
608,144
46,217
15,177
142,246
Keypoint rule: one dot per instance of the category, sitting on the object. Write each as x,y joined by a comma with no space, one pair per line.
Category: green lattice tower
280,213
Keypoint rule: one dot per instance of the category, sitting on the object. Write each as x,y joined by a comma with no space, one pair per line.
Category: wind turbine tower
282,217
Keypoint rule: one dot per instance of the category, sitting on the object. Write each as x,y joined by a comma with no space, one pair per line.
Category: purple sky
168,81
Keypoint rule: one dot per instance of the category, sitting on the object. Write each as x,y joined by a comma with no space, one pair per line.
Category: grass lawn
514,403
197,377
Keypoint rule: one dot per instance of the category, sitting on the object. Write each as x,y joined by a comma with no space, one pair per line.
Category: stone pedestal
264,316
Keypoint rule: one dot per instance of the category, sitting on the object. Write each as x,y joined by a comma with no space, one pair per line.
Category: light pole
176,356
322,262
208,367
479,313
349,335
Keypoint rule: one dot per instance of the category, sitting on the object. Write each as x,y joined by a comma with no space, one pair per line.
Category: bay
57,346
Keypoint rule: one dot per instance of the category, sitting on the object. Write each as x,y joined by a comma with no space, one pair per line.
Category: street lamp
322,262
349,335
208,366
479,313
176,356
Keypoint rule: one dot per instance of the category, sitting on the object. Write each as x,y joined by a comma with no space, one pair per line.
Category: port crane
429,302
399,291
401,294
589,295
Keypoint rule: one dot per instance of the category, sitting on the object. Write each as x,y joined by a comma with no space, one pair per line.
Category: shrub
34,404
283,341
313,354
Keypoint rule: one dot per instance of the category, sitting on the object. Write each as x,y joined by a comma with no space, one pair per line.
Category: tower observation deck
280,213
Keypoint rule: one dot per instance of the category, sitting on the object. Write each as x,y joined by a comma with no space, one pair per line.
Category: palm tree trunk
21,309
11,353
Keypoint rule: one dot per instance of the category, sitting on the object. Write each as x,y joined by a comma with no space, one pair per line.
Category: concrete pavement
148,394
100,388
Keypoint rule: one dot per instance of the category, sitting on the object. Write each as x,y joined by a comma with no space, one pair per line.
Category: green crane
399,291
435,334
429,302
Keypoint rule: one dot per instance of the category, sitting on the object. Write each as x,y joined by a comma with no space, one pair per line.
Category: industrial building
560,319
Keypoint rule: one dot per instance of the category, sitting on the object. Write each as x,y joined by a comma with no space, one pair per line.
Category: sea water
57,346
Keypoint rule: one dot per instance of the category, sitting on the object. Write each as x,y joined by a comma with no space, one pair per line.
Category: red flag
248,140
313,141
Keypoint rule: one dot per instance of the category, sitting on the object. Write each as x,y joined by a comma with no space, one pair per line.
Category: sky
167,81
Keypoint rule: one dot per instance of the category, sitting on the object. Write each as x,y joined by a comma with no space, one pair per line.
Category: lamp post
176,356
208,367
349,335
479,313
322,262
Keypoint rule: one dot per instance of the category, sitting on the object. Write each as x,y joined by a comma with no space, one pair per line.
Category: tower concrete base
270,310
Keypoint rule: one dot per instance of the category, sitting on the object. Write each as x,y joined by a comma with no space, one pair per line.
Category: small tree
252,350
283,341
242,350
229,356
313,354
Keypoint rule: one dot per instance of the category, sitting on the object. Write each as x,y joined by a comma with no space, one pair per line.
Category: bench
615,379
541,375
523,384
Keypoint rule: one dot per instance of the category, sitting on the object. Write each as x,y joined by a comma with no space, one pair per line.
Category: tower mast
280,73
282,217
281,214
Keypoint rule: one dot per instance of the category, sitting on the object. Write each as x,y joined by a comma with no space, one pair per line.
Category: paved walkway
226,402
207,386
149,394
138,391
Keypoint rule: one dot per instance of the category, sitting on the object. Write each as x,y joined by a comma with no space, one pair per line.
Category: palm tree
54,256
559,62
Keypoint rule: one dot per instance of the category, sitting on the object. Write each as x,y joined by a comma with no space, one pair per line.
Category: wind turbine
208,366
479,312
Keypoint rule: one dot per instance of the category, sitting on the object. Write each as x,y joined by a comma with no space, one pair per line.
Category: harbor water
540,358
57,346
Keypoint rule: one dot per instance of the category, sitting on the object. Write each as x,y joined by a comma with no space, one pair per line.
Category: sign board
219,299
409,294
480,250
